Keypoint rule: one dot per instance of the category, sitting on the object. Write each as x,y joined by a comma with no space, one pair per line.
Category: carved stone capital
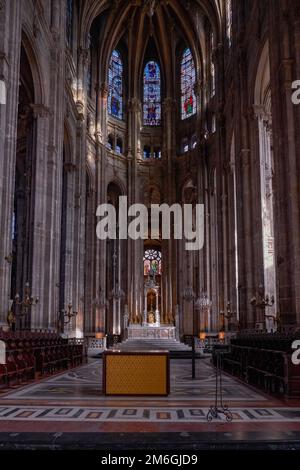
262,114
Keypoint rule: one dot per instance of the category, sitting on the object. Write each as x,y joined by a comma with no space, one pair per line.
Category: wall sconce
228,313
262,301
203,303
68,314
28,300
188,294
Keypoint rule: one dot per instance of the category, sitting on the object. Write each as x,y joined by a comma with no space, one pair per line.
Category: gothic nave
115,109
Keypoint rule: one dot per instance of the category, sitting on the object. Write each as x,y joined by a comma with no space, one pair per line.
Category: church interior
140,342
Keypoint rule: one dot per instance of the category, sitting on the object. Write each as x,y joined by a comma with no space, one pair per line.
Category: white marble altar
151,331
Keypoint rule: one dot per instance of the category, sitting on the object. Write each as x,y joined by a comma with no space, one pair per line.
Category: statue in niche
151,317
151,313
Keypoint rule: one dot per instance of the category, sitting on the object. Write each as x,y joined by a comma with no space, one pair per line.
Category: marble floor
73,402
85,383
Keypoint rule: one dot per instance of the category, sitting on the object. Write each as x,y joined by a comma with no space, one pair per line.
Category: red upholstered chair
46,362
21,366
12,369
25,370
52,359
29,358
59,356
37,351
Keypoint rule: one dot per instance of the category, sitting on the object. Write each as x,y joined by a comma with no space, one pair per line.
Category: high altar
151,326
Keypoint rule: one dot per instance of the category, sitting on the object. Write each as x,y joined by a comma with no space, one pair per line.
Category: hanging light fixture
203,302
188,294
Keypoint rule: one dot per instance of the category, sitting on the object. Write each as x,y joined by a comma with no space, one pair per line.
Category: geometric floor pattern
85,383
142,414
69,410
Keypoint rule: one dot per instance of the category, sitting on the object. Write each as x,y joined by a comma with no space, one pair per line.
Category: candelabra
68,314
27,302
262,301
219,407
203,302
228,313
188,294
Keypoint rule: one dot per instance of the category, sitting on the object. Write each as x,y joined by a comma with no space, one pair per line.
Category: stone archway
263,112
22,217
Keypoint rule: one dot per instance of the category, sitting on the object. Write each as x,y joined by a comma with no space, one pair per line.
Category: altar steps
177,350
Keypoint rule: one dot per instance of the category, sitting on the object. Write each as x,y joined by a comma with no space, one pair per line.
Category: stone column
244,195
40,229
79,195
53,176
284,56
145,319
157,313
99,314
10,47
135,248
169,197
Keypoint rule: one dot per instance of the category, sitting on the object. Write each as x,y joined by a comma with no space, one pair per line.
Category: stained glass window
152,94
152,262
115,84
188,80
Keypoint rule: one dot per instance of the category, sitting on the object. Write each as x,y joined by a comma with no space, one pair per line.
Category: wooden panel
136,373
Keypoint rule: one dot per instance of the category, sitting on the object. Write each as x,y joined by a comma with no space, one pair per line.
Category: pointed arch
33,57
263,111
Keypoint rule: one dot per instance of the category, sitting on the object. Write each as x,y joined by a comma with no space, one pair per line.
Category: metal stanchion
219,407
